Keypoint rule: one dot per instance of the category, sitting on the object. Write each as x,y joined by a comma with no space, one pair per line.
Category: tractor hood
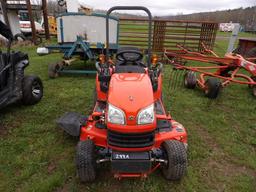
130,92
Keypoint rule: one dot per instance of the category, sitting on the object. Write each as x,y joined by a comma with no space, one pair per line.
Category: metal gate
166,34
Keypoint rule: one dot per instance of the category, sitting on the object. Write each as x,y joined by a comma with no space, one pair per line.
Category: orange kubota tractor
129,126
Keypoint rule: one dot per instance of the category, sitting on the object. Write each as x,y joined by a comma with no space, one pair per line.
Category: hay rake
225,70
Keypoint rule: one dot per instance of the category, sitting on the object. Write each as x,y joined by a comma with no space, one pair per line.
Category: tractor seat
127,48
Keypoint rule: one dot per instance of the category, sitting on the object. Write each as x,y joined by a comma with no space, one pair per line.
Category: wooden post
32,23
45,15
4,11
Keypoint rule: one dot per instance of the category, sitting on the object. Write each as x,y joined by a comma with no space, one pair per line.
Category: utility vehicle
14,85
129,127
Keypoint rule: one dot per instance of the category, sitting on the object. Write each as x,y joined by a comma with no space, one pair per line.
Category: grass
240,34
37,156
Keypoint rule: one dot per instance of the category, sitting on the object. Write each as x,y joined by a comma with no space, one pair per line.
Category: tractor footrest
130,162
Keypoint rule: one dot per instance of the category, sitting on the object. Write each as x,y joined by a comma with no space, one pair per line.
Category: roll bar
130,8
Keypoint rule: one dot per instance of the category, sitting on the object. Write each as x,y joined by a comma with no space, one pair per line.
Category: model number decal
122,156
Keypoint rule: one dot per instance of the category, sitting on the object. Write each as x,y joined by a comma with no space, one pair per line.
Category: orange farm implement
221,72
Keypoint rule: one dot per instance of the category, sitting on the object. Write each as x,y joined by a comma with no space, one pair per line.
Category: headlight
115,115
146,115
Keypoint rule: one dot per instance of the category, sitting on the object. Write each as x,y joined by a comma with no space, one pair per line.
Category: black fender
18,78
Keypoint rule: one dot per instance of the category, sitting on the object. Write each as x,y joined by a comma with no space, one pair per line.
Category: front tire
32,90
176,156
85,161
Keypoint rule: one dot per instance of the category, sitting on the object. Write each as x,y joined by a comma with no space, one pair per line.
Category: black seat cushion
120,49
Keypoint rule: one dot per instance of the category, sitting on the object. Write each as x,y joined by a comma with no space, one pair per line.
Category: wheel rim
186,82
206,91
36,89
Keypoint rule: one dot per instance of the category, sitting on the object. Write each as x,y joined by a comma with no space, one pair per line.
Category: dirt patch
3,130
210,141
218,168
51,167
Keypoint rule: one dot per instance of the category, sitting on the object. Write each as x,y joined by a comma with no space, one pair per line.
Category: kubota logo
131,118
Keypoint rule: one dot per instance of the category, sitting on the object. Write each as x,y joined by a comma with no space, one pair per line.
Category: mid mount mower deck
14,85
129,126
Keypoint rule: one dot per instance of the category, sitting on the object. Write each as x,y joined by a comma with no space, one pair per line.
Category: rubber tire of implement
177,160
213,88
85,161
254,90
29,83
190,80
53,70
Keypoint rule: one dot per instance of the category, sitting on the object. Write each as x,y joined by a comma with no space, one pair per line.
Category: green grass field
35,155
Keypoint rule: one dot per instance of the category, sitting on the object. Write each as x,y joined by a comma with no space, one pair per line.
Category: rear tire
177,160
212,88
190,80
32,90
85,161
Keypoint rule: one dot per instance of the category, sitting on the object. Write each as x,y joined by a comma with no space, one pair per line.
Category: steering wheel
133,56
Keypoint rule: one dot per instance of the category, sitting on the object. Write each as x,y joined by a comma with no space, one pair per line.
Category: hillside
245,16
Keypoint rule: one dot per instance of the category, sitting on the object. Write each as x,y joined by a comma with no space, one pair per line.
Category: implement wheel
212,88
254,90
190,80
176,156
53,69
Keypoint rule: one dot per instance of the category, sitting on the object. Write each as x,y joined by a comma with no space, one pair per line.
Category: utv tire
212,88
32,90
85,161
19,37
177,160
190,80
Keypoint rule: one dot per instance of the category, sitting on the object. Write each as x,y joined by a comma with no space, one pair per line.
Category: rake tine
182,78
171,79
176,79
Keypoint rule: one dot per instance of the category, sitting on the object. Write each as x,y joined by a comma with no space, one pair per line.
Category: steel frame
226,67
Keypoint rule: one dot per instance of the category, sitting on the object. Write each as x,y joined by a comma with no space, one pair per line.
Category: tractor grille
130,140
